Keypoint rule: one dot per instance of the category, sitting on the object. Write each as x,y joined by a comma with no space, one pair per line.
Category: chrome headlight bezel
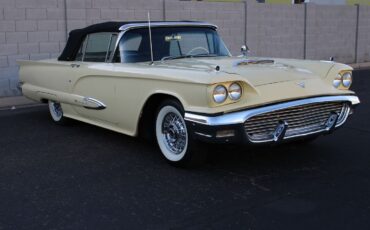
337,81
347,80
219,94
235,91
343,80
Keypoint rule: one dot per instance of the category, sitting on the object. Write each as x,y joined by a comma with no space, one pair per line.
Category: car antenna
150,40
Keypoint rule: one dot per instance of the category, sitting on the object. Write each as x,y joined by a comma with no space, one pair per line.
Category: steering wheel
197,48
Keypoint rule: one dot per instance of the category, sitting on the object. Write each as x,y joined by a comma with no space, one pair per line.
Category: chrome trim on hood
253,61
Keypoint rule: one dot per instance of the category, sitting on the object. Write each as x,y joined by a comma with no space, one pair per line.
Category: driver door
95,78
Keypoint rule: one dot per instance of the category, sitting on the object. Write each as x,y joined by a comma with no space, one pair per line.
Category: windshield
170,43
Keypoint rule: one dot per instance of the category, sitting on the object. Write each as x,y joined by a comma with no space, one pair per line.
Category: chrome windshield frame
129,26
123,29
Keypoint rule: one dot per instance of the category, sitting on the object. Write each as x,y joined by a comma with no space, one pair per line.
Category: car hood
256,71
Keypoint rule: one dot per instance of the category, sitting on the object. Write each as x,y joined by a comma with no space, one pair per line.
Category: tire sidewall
165,108
54,117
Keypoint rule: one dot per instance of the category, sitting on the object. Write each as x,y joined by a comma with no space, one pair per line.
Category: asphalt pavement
84,177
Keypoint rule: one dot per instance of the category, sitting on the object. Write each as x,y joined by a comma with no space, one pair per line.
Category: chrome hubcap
173,129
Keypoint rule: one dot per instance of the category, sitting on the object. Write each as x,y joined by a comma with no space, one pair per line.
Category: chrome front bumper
231,127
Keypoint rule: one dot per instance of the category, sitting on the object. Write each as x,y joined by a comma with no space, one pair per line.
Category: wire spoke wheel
171,132
174,132
177,144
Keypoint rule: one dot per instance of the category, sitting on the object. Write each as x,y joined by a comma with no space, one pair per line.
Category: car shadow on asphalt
99,141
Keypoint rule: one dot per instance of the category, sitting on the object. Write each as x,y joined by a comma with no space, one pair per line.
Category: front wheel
173,138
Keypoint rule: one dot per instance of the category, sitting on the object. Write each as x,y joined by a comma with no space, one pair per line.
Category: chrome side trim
242,116
202,134
84,47
109,44
91,103
165,24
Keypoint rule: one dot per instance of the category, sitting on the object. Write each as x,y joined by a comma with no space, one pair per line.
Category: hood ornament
244,50
301,84
246,61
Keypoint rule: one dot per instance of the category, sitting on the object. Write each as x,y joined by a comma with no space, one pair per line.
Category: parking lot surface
84,177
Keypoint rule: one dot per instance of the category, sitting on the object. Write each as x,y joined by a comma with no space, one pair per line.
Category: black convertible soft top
77,36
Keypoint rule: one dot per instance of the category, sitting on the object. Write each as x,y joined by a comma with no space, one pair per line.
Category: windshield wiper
204,55
175,57
188,56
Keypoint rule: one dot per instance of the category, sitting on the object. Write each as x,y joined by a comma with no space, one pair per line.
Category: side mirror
244,49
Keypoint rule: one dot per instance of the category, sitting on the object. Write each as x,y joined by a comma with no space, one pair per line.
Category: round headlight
337,81
235,91
219,94
347,80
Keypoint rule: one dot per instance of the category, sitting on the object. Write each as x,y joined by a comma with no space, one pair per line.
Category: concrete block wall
82,13
363,50
331,31
29,29
229,17
275,30
36,29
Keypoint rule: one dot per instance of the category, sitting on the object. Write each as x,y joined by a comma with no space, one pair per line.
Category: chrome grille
300,120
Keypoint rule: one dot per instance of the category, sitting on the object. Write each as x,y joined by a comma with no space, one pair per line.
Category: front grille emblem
280,130
301,84
332,121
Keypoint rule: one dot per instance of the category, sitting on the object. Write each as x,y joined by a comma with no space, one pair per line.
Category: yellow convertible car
177,83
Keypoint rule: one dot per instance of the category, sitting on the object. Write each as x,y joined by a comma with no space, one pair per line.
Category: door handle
75,65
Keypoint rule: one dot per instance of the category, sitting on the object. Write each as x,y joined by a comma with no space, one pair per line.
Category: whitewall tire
173,138
56,112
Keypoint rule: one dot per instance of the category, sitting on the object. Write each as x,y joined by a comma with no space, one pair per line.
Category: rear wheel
56,112
173,138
